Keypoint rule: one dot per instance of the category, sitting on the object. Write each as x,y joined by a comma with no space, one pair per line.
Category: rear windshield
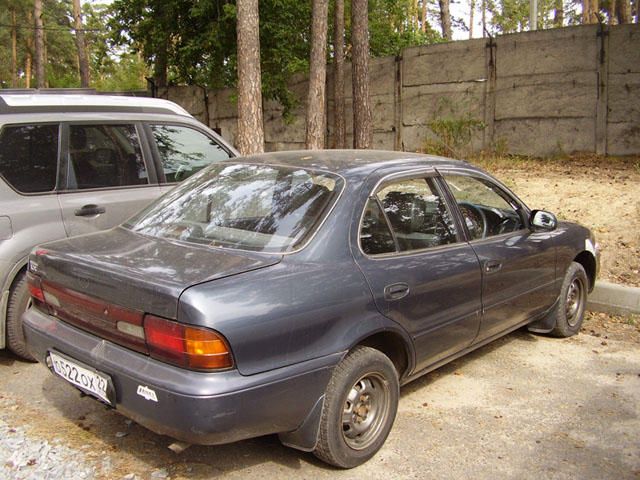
250,207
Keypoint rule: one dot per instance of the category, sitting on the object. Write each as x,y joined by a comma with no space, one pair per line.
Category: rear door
420,270
107,175
518,265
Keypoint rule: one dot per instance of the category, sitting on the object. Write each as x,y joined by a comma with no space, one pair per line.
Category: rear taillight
34,285
186,346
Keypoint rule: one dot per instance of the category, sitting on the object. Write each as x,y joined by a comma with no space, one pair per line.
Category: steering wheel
475,219
505,225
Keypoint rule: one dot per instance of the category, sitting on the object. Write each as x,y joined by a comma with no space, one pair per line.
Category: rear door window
418,214
105,155
29,157
184,150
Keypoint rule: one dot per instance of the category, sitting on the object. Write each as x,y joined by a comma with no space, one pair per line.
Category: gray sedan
293,293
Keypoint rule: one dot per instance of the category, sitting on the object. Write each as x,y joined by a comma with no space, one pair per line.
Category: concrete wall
538,93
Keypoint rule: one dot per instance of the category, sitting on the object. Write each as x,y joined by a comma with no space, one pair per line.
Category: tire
19,300
348,438
569,313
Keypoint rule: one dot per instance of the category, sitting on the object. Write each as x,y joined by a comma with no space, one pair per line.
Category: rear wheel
19,301
569,312
360,406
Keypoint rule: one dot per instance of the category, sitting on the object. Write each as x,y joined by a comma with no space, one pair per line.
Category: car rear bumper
195,407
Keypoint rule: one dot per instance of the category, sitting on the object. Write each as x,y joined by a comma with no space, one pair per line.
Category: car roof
350,162
31,102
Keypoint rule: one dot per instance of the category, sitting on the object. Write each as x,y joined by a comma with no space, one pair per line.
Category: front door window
485,208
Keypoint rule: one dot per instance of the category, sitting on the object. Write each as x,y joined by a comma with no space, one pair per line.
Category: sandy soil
523,407
603,195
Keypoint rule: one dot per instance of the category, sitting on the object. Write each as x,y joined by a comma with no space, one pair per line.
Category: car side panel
573,239
441,311
524,283
119,204
287,313
34,219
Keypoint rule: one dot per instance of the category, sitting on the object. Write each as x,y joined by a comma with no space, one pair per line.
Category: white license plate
86,379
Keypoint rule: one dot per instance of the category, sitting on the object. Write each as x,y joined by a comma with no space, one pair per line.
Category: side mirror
541,220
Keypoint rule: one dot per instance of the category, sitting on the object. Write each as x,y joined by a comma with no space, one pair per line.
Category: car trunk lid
141,273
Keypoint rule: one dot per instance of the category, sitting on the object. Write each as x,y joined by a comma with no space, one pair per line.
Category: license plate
85,378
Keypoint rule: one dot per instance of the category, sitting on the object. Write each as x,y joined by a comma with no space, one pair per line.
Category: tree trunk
27,70
558,17
484,18
14,50
160,65
41,80
340,134
423,26
83,59
316,106
623,11
472,7
445,19
250,122
28,61
362,129
590,11
611,12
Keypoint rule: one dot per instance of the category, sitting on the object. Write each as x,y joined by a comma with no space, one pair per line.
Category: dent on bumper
195,407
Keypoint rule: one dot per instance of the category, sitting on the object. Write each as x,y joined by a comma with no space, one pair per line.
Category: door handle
396,291
492,266
89,211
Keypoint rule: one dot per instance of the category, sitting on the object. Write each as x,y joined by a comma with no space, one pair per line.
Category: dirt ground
602,194
523,407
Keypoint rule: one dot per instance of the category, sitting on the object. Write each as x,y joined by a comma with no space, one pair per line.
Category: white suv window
105,156
29,157
184,151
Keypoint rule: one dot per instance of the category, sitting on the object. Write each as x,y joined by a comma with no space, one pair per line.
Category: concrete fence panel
537,93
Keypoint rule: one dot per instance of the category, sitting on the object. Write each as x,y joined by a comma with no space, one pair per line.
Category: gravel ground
25,457
525,406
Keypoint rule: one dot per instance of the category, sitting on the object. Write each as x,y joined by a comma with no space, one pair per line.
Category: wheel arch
395,346
588,262
9,282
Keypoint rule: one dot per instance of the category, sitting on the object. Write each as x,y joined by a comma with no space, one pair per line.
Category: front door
106,177
518,265
421,273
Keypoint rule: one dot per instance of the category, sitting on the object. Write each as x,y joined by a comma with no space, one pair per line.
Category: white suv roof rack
36,101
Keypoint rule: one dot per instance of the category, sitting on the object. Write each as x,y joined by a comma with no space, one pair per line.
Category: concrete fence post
489,94
602,102
398,143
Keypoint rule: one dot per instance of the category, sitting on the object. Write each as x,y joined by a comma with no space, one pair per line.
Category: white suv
75,164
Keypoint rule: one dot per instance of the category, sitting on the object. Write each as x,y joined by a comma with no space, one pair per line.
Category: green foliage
393,26
452,130
510,16
110,69
200,38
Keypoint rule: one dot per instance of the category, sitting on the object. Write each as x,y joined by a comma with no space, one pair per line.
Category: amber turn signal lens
206,349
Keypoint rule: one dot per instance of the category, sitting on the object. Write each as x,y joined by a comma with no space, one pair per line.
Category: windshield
250,207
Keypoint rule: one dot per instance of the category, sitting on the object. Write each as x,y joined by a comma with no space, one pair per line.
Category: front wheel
569,312
360,406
